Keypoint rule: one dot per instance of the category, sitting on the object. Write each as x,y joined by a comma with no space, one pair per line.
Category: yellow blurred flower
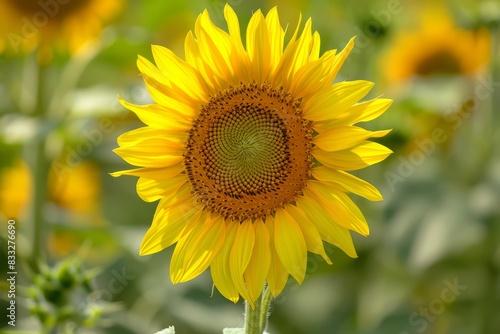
66,24
63,244
437,47
248,150
94,244
16,185
77,189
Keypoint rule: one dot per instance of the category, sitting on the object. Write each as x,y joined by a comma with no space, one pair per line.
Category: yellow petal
327,228
180,74
204,247
220,269
150,147
219,37
240,256
151,190
152,173
258,267
343,137
195,58
214,46
174,226
364,112
276,37
300,55
164,93
171,218
148,69
311,77
295,56
311,235
173,83
240,61
348,182
363,155
315,46
154,137
339,206
195,251
158,85
290,245
340,59
335,100
159,116
305,81
258,46
138,156
233,27
277,275
282,73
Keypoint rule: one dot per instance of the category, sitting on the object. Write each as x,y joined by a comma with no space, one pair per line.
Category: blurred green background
432,261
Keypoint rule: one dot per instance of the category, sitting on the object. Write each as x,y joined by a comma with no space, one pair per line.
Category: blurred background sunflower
432,261
437,46
62,24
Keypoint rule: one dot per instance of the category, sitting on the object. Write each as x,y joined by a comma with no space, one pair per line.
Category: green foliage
439,221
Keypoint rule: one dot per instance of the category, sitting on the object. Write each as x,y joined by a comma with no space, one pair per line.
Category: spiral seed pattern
248,152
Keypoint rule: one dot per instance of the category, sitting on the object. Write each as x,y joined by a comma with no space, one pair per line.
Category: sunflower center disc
248,152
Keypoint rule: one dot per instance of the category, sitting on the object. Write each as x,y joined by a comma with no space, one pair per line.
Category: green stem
266,303
494,231
71,74
490,319
46,111
252,318
256,318
39,166
495,73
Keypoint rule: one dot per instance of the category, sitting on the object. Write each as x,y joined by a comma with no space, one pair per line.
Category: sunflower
76,189
67,24
437,47
16,185
247,149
